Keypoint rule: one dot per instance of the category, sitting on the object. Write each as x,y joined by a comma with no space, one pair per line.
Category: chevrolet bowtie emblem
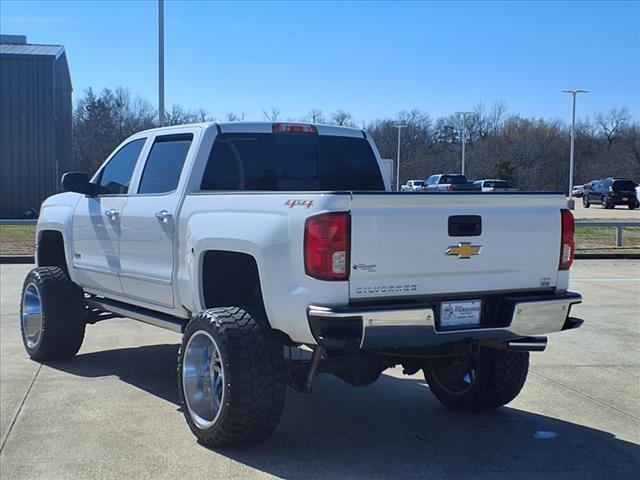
464,250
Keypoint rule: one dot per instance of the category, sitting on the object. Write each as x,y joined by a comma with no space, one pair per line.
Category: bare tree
272,114
314,116
631,142
179,115
342,118
232,117
531,153
611,123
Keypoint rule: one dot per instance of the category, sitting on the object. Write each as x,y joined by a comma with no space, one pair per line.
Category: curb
607,256
16,259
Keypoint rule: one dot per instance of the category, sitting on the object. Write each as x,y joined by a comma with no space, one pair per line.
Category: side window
162,170
115,177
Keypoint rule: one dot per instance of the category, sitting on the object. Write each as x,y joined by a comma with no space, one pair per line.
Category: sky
372,59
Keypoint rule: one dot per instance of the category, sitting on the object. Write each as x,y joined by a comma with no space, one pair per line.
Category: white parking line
606,279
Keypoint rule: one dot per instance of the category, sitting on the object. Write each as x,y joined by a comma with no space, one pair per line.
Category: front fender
56,214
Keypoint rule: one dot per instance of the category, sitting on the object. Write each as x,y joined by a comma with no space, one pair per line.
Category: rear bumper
417,325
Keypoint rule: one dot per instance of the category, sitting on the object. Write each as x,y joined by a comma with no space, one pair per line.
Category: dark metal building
35,123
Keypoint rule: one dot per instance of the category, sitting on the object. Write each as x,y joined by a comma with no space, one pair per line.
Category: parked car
495,185
253,240
610,192
450,182
578,191
413,186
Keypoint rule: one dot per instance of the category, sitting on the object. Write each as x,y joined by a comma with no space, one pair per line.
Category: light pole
464,133
399,127
161,61
573,93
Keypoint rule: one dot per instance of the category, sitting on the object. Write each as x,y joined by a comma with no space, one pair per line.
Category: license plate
624,199
456,314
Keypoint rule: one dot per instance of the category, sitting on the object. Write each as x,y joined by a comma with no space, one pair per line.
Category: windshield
291,162
623,185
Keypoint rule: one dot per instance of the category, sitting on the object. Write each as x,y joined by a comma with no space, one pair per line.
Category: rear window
453,179
418,183
623,185
293,162
498,184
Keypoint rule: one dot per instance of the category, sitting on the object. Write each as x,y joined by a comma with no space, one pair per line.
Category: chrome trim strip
133,276
94,269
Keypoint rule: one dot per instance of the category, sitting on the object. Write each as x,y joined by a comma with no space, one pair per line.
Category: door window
164,165
115,177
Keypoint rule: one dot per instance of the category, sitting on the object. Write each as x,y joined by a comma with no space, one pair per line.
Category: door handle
111,214
163,216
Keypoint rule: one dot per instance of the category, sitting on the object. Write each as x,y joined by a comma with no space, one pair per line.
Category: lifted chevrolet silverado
279,252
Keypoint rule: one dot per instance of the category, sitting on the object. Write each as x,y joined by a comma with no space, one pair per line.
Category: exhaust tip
528,344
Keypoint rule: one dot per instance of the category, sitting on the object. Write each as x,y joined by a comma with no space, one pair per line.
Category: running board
137,313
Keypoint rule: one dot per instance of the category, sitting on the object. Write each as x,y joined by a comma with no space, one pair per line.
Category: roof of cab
263,127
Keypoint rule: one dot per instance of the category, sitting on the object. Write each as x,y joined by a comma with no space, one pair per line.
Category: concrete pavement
112,411
597,212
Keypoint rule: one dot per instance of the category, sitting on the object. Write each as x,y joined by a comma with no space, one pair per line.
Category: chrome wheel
203,379
31,315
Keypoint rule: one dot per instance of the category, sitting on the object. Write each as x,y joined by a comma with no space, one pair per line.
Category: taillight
450,188
327,239
294,128
567,245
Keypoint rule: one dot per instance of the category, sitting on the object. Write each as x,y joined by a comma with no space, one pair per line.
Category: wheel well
51,250
230,279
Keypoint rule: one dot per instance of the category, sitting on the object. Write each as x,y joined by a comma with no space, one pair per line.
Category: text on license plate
454,314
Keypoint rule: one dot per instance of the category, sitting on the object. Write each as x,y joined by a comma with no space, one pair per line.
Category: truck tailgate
403,245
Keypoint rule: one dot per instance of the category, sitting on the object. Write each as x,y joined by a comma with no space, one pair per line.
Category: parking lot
596,212
112,411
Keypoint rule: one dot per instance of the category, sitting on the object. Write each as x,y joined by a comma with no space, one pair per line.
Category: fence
619,226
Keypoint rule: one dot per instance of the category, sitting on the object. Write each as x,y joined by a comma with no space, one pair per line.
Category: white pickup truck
278,252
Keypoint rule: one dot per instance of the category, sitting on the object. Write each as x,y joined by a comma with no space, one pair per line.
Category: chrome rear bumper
411,326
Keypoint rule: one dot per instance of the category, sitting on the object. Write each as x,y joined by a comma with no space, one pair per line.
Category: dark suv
611,192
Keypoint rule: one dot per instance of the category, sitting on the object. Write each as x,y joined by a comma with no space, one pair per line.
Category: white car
413,186
253,240
495,185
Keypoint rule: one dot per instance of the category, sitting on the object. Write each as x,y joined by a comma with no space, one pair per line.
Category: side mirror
78,182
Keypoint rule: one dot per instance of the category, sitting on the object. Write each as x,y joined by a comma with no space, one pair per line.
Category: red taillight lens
294,128
327,240
567,245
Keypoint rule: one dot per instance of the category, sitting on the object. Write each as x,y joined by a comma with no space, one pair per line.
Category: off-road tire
501,374
63,314
255,376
